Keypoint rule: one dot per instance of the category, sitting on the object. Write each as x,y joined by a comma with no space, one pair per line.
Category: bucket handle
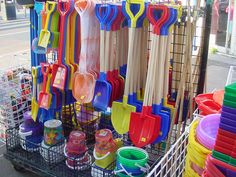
143,168
100,158
65,153
24,134
123,170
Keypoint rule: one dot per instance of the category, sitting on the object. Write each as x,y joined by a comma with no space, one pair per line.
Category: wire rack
178,51
35,162
173,162
15,93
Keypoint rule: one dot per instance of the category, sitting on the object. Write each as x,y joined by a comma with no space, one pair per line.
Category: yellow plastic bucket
103,161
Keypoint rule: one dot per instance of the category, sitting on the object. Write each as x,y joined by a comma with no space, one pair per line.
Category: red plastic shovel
59,71
145,126
44,96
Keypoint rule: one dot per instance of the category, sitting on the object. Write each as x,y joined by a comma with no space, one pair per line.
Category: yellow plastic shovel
34,103
45,34
121,111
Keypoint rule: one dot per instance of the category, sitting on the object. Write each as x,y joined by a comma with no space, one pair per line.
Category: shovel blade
102,95
44,38
45,100
34,109
120,116
83,87
60,78
144,128
36,48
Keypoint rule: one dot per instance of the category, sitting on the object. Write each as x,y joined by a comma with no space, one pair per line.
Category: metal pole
204,57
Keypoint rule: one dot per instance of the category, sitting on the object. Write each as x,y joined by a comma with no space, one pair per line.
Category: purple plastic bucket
207,130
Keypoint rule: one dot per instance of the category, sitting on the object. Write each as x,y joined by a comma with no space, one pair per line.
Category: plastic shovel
54,37
83,81
157,107
38,7
120,116
116,27
134,84
34,104
59,71
102,91
109,49
145,127
45,34
44,96
164,112
167,81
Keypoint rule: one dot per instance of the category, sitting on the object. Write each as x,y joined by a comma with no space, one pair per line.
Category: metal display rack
33,161
162,164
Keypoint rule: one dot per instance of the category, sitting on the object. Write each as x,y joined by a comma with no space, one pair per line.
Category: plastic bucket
130,156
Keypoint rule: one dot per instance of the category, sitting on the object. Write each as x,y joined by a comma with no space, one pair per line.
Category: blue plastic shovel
38,7
102,91
160,109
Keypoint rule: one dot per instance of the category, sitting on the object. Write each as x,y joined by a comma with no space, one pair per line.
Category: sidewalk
217,70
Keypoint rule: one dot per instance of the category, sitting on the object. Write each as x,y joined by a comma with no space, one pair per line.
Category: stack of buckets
104,151
225,146
196,154
131,161
76,151
31,133
53,144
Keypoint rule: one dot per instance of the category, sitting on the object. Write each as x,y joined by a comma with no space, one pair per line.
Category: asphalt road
14,38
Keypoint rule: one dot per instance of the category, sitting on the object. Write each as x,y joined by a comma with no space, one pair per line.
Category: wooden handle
145,55
107,46
102,35
167,65
111,52
149,72
129,60
118,38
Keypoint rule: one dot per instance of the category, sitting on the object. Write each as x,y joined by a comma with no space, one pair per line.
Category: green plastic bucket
129,156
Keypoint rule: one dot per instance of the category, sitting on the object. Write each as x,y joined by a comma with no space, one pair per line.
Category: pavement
14,50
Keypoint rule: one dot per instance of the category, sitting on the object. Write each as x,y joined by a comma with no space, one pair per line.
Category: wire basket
173,162
15,96
51,167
